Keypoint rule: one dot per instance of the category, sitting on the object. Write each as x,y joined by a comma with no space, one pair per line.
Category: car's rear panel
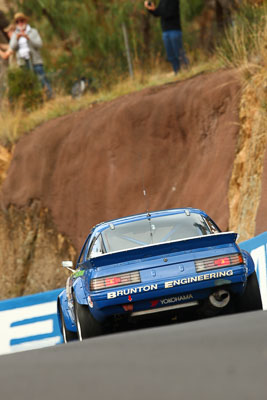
165,275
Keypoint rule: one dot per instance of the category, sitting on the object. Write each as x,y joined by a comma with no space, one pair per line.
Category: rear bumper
159,294
165,308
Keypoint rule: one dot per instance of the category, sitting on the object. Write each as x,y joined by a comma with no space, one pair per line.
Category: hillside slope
177,142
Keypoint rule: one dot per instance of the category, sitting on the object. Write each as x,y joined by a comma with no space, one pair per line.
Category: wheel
251,298
87,326
68,336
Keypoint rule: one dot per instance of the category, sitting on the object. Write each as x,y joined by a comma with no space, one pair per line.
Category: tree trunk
146,28
3,24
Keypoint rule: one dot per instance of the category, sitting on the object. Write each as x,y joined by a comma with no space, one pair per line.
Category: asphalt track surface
218,358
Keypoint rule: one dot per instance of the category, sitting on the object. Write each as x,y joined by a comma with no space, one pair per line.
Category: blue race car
155,264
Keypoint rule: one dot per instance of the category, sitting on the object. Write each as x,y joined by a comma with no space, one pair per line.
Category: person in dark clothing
169,13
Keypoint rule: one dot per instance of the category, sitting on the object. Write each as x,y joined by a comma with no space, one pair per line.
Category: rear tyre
87,326
68,336
251,298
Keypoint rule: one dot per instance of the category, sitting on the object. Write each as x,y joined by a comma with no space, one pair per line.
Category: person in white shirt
27,43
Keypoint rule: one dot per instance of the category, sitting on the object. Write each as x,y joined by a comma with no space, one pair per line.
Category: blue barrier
257,247
30,322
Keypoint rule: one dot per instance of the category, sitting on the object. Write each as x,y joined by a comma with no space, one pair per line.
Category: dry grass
244,48
10,124
14,123
245,44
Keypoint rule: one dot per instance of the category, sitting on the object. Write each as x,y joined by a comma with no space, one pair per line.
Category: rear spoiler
159,249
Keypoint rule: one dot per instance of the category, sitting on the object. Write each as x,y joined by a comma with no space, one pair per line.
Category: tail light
229,260
115,280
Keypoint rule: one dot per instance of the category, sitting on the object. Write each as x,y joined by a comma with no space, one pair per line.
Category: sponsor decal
29,322
127,292
169,284
198,278
154,303
176,299
78,273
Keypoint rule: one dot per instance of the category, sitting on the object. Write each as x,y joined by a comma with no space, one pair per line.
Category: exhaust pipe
220,299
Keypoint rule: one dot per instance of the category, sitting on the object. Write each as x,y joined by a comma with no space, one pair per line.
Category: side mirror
68,265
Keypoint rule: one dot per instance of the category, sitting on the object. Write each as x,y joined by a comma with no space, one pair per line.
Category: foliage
24,87
245,40
191,9
83,38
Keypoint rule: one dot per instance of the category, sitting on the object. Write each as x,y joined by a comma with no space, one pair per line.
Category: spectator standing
169,13
27,43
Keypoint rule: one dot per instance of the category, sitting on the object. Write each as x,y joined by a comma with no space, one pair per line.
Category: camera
149,3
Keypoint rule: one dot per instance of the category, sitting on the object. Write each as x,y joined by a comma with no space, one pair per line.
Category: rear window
155,230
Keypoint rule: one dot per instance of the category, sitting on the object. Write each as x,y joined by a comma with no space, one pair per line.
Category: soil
177,142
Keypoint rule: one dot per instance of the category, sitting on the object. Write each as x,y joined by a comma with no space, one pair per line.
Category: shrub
24,87
245,41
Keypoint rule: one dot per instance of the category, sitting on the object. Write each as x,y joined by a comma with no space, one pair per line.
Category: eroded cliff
247,190
179,142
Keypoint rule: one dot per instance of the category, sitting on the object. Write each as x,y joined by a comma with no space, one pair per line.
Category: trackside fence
30,322
257,247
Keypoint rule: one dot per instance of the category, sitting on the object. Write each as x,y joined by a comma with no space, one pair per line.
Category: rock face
177,142
247,189
261,219
5,159
31,250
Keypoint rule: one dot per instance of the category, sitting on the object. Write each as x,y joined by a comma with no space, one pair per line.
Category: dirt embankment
248,190
177,142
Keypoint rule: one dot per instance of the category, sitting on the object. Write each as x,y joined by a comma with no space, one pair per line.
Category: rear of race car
208,273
